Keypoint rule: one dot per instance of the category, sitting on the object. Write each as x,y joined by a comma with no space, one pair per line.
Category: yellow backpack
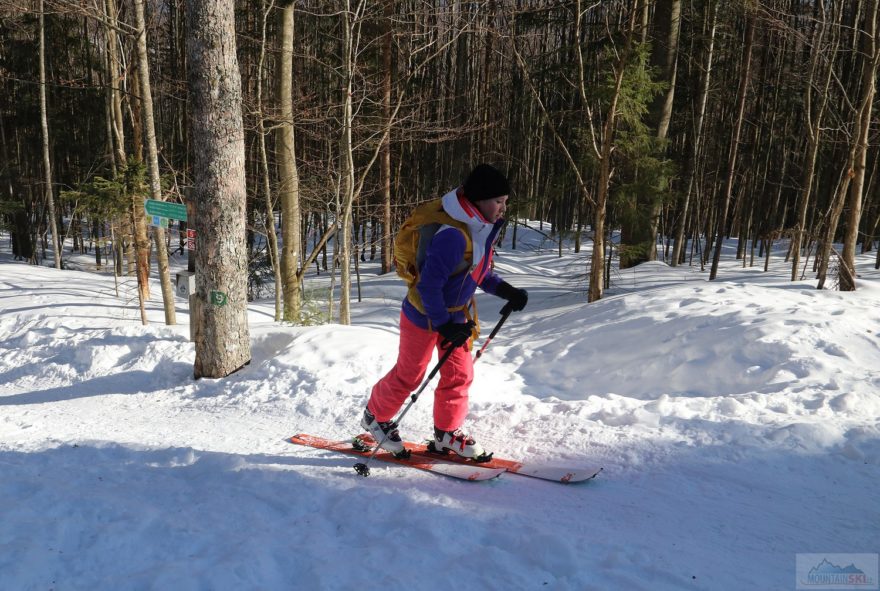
412,242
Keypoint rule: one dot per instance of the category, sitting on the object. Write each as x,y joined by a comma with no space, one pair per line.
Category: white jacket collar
452,206
480,229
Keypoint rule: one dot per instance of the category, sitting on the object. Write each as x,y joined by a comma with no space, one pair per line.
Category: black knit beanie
485,182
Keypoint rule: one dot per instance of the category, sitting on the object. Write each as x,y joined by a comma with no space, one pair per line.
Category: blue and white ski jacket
439,286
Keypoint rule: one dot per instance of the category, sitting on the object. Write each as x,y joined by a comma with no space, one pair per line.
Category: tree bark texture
216,128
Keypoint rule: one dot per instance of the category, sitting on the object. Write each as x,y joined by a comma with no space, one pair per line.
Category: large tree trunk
47,162
288,191
221,334
153,160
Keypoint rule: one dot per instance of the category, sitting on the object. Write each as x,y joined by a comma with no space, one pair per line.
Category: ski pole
363,468
505,312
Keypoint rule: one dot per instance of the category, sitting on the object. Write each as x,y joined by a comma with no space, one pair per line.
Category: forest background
737,423
678,123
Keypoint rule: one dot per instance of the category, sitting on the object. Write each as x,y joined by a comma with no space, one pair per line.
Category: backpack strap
426,233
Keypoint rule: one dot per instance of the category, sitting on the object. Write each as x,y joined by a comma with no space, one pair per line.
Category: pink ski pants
413,357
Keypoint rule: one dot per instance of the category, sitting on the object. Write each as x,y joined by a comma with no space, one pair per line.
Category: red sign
190,239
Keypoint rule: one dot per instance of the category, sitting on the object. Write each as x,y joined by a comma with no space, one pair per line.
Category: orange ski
436,464
532,469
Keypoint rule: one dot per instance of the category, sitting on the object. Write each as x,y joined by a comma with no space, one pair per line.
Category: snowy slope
737,422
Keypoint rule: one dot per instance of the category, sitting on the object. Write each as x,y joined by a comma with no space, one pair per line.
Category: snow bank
737,422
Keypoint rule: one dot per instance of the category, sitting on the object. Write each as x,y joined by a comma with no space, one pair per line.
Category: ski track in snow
736,421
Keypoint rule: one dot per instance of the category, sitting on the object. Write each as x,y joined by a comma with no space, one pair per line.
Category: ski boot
459,442
385,433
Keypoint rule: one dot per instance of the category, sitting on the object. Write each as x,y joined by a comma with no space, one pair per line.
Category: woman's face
492,209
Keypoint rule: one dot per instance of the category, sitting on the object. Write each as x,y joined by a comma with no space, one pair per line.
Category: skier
438,311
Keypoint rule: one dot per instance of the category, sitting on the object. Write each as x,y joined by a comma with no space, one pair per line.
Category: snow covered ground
737,421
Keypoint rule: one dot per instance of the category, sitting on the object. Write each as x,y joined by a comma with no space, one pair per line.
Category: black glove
518,298
455,334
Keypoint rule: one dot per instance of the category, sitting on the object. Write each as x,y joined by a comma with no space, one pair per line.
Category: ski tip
573,477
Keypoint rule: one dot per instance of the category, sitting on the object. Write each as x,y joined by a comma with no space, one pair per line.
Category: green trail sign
165,209
218,298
